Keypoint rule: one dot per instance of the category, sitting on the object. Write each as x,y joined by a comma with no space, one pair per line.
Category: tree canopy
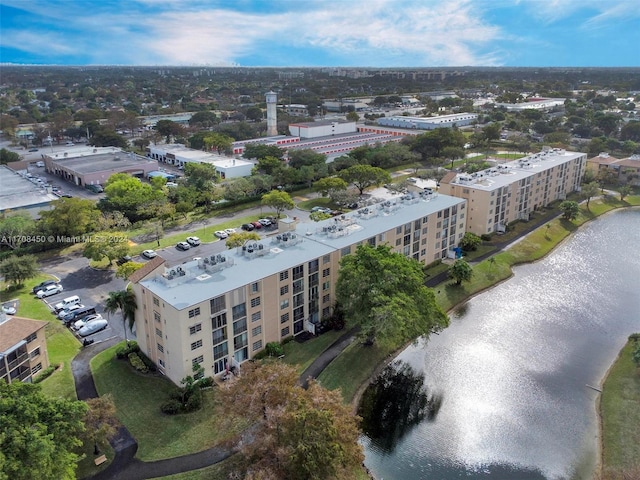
461,271
70,217
111,245
278,200
17,269
300,434
570,209
384,293
39,433
364,176
123,301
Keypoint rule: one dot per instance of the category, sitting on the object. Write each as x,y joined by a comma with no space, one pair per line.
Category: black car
43,285
352,205
248,227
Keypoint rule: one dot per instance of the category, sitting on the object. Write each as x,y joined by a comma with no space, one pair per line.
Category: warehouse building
429,123
179,155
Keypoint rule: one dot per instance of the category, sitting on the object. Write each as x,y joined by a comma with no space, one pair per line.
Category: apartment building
23,348
221,310
512,191
625,170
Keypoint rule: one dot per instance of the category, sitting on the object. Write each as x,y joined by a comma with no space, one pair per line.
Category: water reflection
394,402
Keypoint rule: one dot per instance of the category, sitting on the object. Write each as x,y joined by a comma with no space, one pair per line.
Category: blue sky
311,33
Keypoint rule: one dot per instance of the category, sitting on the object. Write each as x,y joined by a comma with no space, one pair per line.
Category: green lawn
620,411
303,354
138,399
62,346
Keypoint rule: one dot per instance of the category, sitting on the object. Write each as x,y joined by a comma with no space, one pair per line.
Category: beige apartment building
513,190
221,310
23,348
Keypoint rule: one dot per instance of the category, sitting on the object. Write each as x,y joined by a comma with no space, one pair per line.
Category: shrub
274,349
171,407
46,373
206,382
124,351
137,363
147,361
194,402
485,237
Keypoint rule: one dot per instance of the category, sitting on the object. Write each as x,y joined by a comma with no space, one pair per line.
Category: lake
514,370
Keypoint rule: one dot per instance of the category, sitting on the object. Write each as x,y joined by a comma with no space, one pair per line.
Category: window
284,275
326,272
219,335
326,259
257,345
284,318
313,266
398,242
284,332
35,353
240,326
398,230
240,341
256,331
31,338
239,311
256,316
326,285
326,312
158,332
219,321
195,328
156,316
255,302
160,348
298,300
298,272
326,298
284,304
196,344
255,287
372,241
284,290
36,369
161,362
345,251
156,302
220,351
197,361
194,313
218,304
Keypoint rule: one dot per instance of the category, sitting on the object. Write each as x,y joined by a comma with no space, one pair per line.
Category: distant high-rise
272,119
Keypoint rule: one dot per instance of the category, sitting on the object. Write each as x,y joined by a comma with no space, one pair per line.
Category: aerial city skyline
383,33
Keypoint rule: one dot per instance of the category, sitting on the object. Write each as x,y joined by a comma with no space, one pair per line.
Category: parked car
321,209
230,231
9,309
193,241
248,227
42,285
95,188
65,311
352,206
93,327
183,246
78,324
221,234
67,302
40,164
257,225
123,260
33,149
49,290
77,314
149,254
265,222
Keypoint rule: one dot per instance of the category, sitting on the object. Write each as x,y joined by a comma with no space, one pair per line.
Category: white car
93,327
9,309
149,254
221,234
193,241
84,321
49,290
229,231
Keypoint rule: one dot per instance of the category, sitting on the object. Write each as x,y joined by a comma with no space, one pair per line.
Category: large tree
589,191
278,200
111,245
260,151
240,238
18,269
570,209
123,301
384,293
328,185
15,228
39,433
130,196
364,176
299,434
101,421
70,217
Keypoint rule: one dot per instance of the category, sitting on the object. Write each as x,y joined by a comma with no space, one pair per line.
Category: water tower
272,120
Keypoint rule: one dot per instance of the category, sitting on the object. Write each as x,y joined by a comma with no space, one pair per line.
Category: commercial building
179,155
626,170
511,191
323,128
21,191
221,310
282,141
429,123
94,165
536,103
23,348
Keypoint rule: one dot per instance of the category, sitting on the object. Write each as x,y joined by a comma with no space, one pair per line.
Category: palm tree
125,302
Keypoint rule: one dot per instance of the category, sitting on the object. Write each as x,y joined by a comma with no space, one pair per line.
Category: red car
257,225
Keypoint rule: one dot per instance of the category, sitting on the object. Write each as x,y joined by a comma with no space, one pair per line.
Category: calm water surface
514,367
